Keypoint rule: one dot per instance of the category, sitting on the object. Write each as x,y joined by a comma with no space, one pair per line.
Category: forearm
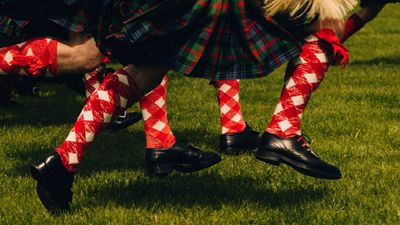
80,58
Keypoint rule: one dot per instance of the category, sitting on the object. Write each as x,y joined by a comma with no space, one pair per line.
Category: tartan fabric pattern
304,75
154,110
214,39
75,23
230,113
115,94
9,27
13,27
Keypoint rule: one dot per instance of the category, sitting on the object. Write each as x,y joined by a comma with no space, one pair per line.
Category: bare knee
336,25
146,77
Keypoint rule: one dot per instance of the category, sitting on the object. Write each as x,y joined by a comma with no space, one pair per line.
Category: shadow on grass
122,150
60,107
388,60
111,151
205,190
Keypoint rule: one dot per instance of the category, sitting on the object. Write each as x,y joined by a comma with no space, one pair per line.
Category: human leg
236,135
48,57
117,92
164,153
282,141
357,20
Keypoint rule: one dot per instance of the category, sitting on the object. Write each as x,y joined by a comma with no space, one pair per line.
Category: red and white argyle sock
353,24
304,74
115,94
154,111
228,98
36,56
93,79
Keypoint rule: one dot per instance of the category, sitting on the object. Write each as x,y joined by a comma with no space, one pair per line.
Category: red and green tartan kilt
9,28
14,27
213,39
75,22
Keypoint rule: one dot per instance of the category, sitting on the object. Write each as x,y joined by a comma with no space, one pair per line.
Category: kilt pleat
213,39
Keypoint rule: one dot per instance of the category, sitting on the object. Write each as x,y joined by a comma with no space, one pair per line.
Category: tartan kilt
9,28
13,26
74,22
213,39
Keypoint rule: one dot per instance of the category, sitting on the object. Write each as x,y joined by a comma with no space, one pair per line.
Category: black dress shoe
27,86
54,183
125,120
247,140
296,153
180,157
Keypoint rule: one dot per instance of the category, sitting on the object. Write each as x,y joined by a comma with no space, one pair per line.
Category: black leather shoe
54,183
125,120
296,153
180,157
247,140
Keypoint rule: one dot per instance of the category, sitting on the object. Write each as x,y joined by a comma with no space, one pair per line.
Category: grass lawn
353,120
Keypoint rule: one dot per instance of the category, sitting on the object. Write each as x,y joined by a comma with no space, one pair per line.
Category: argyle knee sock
228,99
93,79
36,56
154,111
114,95
353,24
304,75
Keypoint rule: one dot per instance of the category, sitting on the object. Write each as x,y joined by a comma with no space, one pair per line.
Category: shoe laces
123,115
305,142
120,118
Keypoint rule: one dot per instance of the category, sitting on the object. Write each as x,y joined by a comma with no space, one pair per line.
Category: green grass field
353,120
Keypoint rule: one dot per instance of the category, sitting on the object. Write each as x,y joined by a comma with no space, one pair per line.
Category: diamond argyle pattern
34,57
303,76
92,80
230,112
112,97
154,111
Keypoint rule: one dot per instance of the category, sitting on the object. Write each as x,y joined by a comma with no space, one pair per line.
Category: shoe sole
163,169
276,159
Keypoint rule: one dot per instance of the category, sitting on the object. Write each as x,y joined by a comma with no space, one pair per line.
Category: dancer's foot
296,153
180,157
54,183
125,120
244,141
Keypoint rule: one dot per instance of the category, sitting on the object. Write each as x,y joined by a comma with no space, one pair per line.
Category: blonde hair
324,9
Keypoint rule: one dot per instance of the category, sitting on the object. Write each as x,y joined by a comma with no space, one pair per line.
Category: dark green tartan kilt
213,39
9,28
21,26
